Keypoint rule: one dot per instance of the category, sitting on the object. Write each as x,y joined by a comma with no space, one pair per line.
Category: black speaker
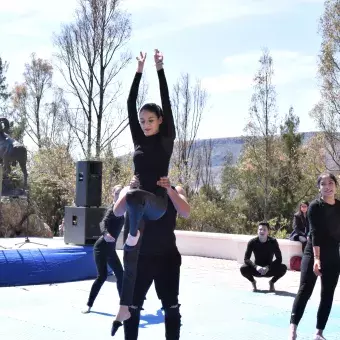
89,184
82,224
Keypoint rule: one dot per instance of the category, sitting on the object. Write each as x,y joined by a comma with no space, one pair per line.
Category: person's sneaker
254,286
319,337
271,286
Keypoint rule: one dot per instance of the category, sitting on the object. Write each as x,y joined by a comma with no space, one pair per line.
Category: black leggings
276,270
142,204
164,271
105,254
329,280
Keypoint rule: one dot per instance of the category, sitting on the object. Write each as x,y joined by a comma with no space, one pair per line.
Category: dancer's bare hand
317,267
109,238
141,61
265,270
158,57
164,182
134,183
261,270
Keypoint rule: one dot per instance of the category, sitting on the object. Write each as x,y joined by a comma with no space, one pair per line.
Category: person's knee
102,278
283,268
244,269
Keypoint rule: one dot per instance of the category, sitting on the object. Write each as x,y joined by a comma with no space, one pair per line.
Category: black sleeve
247,255
105,221
297,225
136,131
314,219
277,252
168,125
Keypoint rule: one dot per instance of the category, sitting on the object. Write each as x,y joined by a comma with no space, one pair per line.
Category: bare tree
38,79
91,55
327,112
262,126
4,94
188,104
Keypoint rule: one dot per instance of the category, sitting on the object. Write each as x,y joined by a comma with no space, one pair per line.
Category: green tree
261,131
290,173
327,112
52,183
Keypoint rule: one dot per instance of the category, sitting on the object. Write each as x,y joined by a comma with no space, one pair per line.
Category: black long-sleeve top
263,252
152,153
324,222
300,227
111,223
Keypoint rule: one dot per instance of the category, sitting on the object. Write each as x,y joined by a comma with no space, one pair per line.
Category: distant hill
222,147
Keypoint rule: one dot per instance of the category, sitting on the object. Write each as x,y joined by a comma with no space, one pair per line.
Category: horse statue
11,151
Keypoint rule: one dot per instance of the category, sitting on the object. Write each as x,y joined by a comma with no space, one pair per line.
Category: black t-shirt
324,221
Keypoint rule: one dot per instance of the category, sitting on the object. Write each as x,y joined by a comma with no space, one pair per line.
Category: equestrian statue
11,151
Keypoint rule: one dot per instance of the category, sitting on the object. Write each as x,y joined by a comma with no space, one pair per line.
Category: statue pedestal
13,219
8,188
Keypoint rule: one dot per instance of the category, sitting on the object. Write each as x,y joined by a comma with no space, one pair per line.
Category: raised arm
136,131
168,125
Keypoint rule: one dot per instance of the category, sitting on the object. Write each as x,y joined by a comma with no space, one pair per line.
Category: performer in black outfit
264,248
321,256
301,225
105,250
153,137
159,262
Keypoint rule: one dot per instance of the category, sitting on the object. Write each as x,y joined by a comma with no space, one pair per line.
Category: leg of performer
307,284
100,257
140,204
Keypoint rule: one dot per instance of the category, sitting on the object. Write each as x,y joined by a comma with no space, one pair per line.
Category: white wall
223,246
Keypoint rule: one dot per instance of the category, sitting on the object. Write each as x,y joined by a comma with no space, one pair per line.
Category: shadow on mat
101,313
152,319
277,292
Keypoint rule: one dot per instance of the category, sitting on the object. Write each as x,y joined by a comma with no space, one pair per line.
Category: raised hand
141,60
158,56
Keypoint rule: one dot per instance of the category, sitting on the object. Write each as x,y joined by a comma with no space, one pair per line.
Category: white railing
223,246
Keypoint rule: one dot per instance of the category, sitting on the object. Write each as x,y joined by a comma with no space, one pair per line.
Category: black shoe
115,325
271,286
254,286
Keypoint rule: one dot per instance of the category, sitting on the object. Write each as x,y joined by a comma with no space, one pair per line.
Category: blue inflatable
20,267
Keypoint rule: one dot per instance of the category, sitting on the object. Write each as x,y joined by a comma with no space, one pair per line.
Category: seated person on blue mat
264,248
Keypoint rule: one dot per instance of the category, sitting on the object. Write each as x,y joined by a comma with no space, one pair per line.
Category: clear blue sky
217,41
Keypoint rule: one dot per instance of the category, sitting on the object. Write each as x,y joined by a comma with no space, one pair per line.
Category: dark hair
299,207
265,224
152,107
327,174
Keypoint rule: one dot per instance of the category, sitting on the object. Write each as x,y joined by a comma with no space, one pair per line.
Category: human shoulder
253,240
272,239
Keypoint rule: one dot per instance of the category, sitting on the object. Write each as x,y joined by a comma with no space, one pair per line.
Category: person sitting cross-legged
264,248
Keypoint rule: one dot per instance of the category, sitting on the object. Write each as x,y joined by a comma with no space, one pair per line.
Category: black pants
329,280
276,270
141,204
105,254
164,271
